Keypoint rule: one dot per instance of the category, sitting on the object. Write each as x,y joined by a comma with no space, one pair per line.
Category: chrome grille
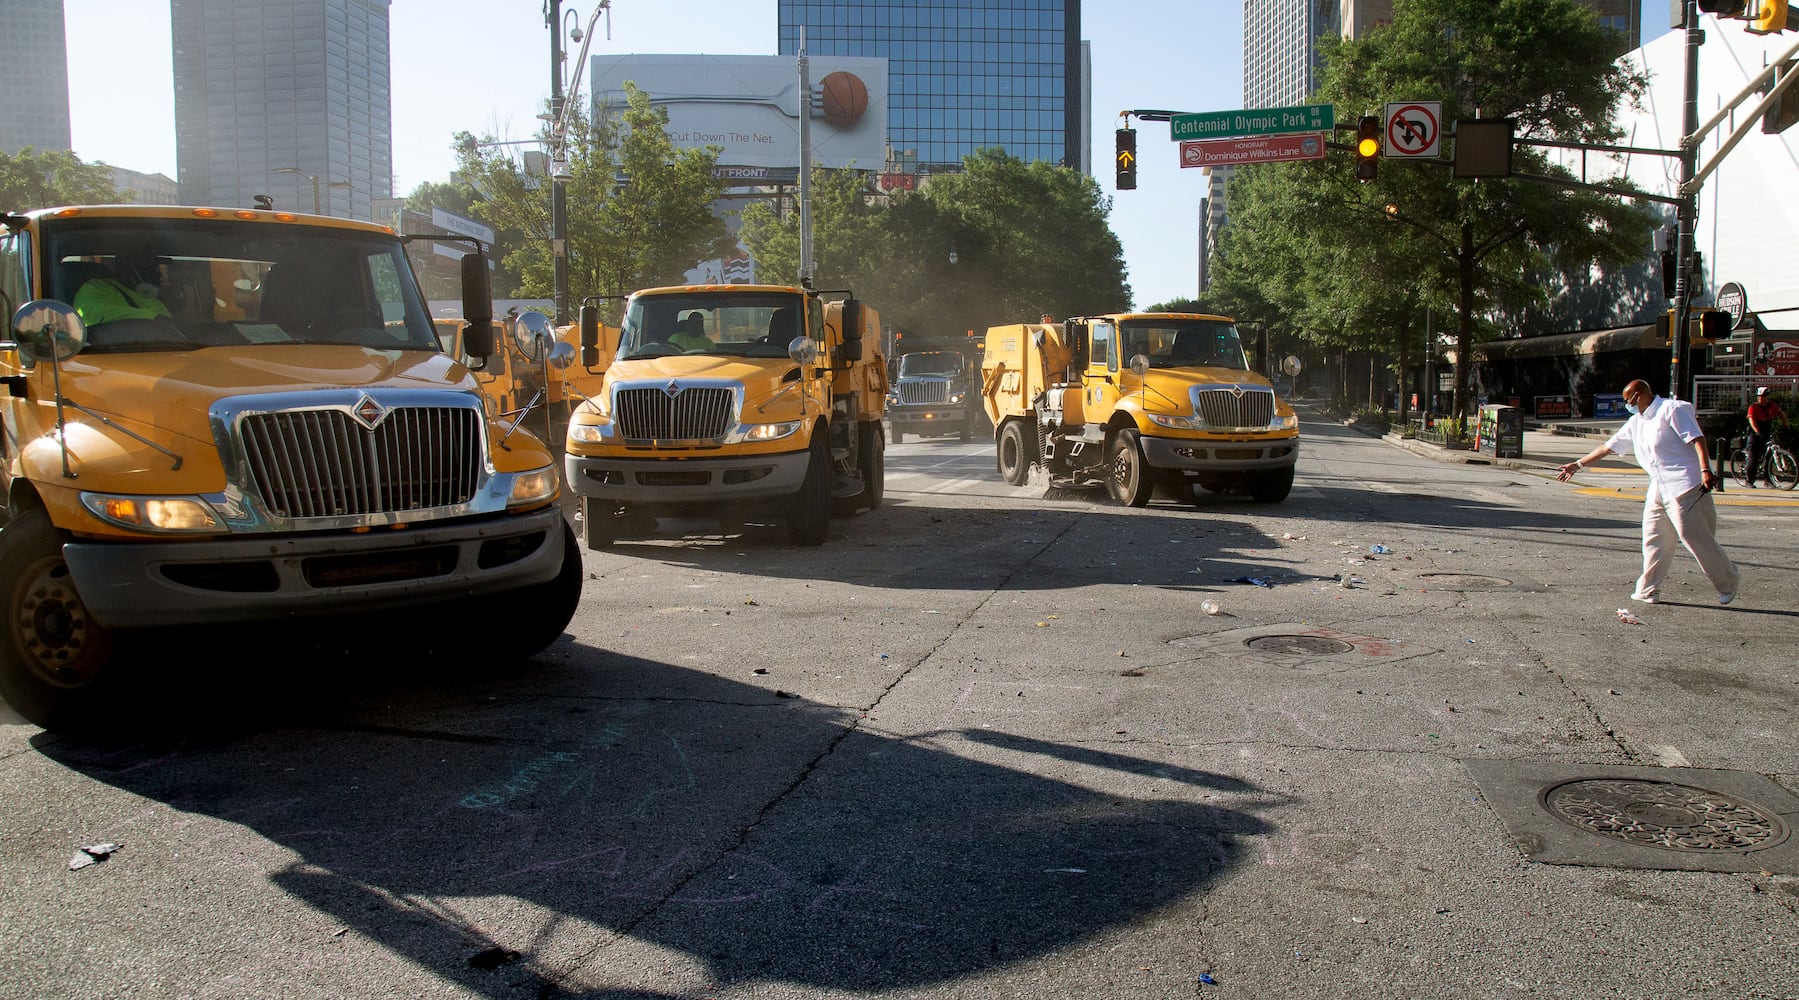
324,463
924,392
694,413
1251,408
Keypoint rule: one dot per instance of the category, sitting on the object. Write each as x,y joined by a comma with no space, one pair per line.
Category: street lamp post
317,204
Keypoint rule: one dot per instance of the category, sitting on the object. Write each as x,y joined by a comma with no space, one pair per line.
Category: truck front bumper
652,481
1220,456
925,419
132,585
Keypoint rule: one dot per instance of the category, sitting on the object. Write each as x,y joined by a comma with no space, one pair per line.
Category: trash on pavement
1627,618
1380,550
1210,606
92,854
1258,581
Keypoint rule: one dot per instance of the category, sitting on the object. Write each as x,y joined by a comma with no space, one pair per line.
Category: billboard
750,106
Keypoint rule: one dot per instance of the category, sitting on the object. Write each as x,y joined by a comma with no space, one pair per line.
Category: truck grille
924,392
1247,407
323,463
694,413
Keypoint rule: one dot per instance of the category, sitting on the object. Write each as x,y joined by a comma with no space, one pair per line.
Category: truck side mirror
852,323
590,336
477,306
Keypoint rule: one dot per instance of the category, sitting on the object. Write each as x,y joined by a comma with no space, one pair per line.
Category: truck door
1101,378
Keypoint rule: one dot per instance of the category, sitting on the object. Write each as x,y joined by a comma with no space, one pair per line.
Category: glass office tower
263,85
34,104
961,74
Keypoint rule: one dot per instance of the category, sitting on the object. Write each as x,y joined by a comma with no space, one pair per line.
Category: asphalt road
982,743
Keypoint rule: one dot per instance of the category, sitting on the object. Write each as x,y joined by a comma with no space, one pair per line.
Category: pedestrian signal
1127,159
1367,148
1766,16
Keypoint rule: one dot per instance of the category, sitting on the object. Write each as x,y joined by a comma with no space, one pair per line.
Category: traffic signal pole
1687,211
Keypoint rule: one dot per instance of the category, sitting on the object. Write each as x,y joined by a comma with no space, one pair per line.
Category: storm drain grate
1299,645
1633,816
1663,814
1473,582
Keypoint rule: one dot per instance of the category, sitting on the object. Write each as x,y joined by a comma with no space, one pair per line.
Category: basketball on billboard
845,98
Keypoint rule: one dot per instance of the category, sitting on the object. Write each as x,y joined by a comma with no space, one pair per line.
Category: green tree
33,178
1356,262
639,210
1027,239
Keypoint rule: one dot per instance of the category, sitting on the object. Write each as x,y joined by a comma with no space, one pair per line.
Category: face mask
1632,407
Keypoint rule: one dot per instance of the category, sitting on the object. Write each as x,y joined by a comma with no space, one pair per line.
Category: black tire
1739,466
1128,476
599,522
1013,454
537,616
809,510
874,467
55,660
1272,486
899,436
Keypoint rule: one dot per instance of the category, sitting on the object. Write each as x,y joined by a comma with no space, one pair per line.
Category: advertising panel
1776,355
750,106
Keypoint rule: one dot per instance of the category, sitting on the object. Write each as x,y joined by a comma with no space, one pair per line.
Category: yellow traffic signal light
1769,17
1127,159
1367,147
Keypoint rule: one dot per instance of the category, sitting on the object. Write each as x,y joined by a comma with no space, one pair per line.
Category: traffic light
1367,147
1785,112
1723,8
1127,159
1704,326
1767,16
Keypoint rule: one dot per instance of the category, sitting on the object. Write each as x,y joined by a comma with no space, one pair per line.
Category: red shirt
1763,413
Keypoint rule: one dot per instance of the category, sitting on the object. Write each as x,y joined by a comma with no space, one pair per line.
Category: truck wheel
1127,474
809,510
1014,454
538,615
899,436
1271,487
599,522
54,658
874,467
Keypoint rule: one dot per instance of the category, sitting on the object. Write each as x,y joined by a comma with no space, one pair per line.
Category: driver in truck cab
128,290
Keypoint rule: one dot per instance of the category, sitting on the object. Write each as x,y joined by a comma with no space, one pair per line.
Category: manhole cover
1464,581
1664,815
1299,645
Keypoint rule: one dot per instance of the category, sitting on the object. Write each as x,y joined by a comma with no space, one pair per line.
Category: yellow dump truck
232,416
1138,401
521,370
731,401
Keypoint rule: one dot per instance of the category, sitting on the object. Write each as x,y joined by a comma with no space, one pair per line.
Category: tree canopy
33,178
1002,241
638,210
1318,255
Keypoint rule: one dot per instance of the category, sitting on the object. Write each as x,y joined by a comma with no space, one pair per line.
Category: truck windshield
1184,343
162,284
733,324
930,363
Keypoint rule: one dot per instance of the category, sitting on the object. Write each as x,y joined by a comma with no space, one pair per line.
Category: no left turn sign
1414,128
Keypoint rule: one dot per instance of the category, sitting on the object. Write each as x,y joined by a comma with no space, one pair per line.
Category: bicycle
1778,464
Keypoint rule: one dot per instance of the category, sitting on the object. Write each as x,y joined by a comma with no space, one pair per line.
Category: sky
482,66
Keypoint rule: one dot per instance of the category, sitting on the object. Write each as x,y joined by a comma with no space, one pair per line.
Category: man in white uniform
1666,439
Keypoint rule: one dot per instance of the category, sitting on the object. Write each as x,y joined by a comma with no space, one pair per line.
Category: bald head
1638,394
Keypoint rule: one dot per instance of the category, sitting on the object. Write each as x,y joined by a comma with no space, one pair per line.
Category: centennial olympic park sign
1252,135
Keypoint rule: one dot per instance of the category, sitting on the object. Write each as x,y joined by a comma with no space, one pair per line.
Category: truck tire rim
52,627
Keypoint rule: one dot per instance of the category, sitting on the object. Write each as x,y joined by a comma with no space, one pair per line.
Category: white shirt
1662,439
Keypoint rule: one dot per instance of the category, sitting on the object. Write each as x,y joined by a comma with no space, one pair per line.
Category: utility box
1500,432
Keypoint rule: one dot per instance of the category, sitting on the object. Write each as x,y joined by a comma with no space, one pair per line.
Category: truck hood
760,377
1169,387
177,389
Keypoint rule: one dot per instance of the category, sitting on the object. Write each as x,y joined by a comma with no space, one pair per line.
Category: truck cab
729,401
934,392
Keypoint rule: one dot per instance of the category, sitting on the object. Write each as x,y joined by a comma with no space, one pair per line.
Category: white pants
1693,519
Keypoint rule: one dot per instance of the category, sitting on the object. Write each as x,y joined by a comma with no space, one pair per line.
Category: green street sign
1252,121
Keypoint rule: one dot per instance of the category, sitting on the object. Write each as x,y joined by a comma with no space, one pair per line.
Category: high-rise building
34,104
1358,17
289,98
962,74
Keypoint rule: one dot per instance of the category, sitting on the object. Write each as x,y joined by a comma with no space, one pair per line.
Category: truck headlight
1286,423
893,399
771,432
587,433
170,514
957,397
534,487
1174,421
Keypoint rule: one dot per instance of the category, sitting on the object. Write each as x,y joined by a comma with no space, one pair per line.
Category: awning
1628,338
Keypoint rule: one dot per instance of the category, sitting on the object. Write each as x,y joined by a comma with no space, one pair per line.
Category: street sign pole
1688,209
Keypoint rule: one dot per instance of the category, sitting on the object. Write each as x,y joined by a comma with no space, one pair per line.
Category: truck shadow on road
565,830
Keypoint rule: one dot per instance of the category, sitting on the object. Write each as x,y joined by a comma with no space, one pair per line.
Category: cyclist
1762,414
